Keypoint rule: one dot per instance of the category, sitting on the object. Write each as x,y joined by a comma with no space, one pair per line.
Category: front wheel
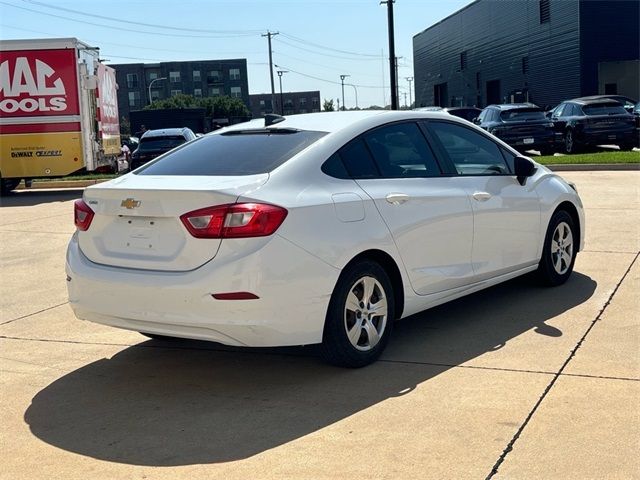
360,316
560,249
570,142
8,184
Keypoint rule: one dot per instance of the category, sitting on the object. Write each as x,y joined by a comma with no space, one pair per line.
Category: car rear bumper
533,142
180,304
607,137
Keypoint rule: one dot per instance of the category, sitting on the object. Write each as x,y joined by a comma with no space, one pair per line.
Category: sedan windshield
160,143
604,109
522,115
239,152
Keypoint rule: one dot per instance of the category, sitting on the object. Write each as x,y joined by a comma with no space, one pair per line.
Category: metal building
543,51
204,78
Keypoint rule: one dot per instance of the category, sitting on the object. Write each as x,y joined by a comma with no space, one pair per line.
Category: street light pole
409,79
151,83
356,92
280,73
342,77
392,55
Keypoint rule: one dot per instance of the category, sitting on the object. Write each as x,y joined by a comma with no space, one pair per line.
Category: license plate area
142,233
527,141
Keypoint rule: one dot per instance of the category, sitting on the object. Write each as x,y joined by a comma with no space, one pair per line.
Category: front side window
239,152
559,110
470,152
400,151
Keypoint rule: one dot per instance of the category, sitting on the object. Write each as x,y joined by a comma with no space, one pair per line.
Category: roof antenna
272,119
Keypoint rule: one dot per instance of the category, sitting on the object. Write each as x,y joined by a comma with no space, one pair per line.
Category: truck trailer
58,110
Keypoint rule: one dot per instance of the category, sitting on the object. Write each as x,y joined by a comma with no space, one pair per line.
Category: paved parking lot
516,382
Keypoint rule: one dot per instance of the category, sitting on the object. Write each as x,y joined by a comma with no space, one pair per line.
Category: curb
62,184
586,167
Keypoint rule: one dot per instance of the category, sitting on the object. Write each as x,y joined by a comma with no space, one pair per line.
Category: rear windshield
234,153
606,109
522,114
160,143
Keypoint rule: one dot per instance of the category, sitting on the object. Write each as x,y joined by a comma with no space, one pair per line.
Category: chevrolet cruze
322,228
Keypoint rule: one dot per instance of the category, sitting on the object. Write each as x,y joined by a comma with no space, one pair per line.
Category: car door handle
481,196
397,198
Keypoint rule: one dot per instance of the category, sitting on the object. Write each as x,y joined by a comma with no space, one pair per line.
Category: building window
214,92
303,110
315,102
234,74
262,104
525,65
315,110
288,103
134,99
213,77
196,76
463,60
155,95
197,92
236,92
152,76
545,11
174,76
303,102
175,92
132,80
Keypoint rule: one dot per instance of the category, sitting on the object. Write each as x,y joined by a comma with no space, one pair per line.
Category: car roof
335,121
513,106
606,97
165,132
594,101
450,109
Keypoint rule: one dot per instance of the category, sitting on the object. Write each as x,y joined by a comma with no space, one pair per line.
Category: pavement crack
34,313
557,375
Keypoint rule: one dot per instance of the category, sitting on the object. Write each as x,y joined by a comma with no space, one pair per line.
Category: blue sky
318,38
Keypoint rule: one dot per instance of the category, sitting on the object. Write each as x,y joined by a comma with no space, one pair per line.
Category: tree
327,105
217,107
125,126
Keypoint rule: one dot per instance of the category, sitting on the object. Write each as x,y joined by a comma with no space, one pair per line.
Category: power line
84,22
153,25
324,79
325,54
324,47
307,62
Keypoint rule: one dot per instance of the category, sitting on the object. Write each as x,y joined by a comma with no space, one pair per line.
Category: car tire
561,244
627,147
546,151
570,142
8,184
356,331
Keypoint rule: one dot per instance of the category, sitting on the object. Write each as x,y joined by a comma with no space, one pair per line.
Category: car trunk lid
137,219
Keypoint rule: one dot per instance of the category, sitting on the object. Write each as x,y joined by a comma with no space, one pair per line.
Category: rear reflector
235,296
235,220
82,215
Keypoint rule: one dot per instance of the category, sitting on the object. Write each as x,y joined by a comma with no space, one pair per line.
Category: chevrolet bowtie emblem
130,203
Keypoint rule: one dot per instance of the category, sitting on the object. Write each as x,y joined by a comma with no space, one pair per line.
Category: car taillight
236,220
82,215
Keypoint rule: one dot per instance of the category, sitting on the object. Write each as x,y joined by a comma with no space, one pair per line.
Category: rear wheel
360,316
627,146
8,184
559,252
546,151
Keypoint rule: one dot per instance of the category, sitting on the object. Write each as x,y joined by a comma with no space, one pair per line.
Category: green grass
85,176
591,158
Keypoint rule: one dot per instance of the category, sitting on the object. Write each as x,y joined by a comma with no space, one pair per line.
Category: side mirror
524,168
476,121
548,114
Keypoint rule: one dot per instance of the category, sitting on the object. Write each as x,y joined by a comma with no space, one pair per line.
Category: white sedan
321,228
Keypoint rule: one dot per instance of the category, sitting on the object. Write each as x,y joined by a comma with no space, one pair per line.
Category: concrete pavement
517,382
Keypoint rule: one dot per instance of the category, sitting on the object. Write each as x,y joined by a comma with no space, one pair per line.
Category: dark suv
156,142
521,125
587,123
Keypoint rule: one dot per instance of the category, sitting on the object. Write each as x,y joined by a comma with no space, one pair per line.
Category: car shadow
30,198
186,402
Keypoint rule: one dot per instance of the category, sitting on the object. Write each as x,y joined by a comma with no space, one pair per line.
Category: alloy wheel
365,313
561,248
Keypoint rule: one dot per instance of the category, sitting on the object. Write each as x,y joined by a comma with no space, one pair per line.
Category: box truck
58,110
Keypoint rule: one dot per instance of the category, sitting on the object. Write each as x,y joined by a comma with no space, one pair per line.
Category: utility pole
342,77
338,102
273,89
409,79
392,55
280,73
405,99
397,84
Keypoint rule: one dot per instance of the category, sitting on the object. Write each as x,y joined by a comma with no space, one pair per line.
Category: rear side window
604,109
247,152
357,160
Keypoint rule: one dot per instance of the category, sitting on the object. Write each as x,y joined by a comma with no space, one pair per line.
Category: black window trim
360,137
452,170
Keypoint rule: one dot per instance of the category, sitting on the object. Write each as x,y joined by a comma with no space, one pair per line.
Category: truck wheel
8,184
